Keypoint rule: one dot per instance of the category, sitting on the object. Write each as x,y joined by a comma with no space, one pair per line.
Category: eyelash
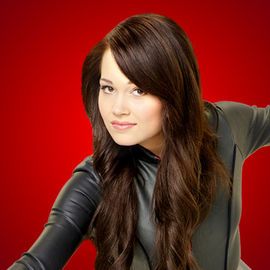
107,86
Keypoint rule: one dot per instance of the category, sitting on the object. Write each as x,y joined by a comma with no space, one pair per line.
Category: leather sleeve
68,222
250,125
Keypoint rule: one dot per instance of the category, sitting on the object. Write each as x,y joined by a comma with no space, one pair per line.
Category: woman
163,187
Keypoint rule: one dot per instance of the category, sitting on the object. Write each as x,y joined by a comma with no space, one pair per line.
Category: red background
45,132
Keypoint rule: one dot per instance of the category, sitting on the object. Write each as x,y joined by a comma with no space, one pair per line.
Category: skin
123,101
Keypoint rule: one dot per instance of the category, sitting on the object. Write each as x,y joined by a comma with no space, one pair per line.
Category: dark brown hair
156,55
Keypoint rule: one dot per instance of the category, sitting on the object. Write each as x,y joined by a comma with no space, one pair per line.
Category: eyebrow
108,81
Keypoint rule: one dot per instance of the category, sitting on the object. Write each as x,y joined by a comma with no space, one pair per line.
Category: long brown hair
156,55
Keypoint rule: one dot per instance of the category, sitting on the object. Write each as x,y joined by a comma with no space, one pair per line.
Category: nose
120,106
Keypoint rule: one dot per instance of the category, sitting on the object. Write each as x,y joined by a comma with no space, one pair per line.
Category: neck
155,148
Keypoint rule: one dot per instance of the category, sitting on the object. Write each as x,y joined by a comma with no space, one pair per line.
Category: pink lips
122,125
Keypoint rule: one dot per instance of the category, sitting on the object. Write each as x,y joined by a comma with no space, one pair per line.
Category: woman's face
130,115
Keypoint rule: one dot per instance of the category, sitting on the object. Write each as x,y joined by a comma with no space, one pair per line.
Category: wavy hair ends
155,54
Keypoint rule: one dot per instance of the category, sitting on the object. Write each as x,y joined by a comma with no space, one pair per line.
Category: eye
106,89
138,92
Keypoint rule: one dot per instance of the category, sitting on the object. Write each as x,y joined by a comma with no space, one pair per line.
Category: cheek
152,114
101,106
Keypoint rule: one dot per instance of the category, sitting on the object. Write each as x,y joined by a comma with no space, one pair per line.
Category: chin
124,142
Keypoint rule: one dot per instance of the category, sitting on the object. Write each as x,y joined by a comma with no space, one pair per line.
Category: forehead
110,70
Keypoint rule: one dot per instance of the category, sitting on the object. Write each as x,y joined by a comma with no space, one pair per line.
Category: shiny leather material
241,129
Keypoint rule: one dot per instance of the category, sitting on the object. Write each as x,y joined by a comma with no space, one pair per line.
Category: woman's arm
250,125
68,222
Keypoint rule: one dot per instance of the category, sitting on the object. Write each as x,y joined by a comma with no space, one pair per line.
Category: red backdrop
45,131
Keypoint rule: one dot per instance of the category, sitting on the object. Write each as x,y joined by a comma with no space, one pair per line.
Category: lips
122,125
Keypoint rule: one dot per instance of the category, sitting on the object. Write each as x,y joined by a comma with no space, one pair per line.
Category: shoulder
241,116
84,182
86,167
249,124
234,113
230,119
83,187
230,108
222,113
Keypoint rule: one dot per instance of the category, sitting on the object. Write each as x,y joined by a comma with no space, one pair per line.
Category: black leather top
242,129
